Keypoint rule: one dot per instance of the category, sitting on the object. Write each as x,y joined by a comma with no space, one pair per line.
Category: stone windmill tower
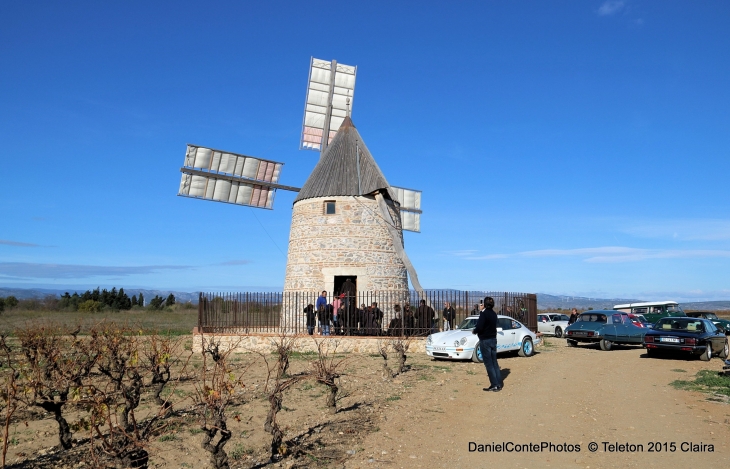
347,220
346,223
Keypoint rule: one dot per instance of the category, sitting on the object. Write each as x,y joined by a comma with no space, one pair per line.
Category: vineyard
116,396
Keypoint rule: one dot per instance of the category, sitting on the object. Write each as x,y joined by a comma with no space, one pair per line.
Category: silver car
552,323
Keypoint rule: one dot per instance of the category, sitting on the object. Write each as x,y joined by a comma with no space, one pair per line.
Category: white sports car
460,343
552,323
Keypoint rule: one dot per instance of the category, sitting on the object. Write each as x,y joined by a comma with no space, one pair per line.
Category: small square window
329,208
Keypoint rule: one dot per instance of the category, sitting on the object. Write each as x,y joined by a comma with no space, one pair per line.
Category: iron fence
378,313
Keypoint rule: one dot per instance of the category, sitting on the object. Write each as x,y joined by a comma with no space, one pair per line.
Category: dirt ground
428,416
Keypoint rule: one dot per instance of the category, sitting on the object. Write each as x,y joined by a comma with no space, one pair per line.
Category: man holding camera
486,330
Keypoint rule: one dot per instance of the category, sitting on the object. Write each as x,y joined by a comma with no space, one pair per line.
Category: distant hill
545,301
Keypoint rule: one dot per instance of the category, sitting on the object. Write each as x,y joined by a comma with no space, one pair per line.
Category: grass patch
470,372
301,355
393,398
679,370
169,437
426,378
706,381
175,323
447,369
239,451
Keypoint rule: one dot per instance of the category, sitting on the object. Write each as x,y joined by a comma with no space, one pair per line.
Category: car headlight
462,341
597,333
456,343
429,340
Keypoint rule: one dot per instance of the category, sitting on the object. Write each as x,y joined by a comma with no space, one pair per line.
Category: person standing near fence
449,316
426,319
321,306
486,330
408,320
395,328
336,305
311,318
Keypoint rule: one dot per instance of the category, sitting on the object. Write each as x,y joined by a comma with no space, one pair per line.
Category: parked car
460,343
552,323
639,320
694,335
606,328
653,310
724,323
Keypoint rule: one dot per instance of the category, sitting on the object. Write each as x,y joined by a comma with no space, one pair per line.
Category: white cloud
682,229
236,262
7,242
610,7
25,270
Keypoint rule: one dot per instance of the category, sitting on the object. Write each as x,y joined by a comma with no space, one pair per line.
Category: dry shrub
277,381
328,368
215,391
53,369
117,428
384,348
400,346
9,391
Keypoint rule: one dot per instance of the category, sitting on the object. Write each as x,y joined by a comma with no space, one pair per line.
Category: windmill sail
223,176
320,85
410,207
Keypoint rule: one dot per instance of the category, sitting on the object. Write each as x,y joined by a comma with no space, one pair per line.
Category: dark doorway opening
340,280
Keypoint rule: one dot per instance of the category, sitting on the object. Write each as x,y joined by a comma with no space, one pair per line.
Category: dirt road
562,395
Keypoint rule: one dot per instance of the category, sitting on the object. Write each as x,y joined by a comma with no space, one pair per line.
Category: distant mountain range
544,300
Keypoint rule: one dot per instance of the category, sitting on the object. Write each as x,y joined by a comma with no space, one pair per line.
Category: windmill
347,220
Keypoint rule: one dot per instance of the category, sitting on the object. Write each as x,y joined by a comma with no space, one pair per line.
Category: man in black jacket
486,330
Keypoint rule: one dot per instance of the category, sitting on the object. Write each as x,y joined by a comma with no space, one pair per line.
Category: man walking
486,330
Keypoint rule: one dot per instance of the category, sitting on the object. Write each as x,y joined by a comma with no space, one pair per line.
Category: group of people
342,317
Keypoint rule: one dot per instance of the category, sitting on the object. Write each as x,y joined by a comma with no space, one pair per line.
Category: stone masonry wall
353,241
305,343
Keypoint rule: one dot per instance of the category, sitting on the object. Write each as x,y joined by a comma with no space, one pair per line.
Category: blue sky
568,147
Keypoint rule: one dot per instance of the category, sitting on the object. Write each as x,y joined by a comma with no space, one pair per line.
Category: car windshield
592,317
712,316
468,324
684,325
675,310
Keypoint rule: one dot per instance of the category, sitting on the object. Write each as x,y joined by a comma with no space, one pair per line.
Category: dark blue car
690,335
606,328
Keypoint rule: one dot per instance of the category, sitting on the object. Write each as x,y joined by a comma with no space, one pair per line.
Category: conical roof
336,172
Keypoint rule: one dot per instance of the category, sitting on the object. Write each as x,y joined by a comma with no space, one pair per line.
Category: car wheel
572,343
605,344
650,352
527,348
558,332
477,357
725,351
707,355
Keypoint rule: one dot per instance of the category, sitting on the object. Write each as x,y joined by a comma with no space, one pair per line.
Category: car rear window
592,317
684,325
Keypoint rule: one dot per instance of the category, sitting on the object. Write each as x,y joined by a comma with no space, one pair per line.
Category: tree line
91,301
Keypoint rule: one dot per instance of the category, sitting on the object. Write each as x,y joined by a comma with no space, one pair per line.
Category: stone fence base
265,343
